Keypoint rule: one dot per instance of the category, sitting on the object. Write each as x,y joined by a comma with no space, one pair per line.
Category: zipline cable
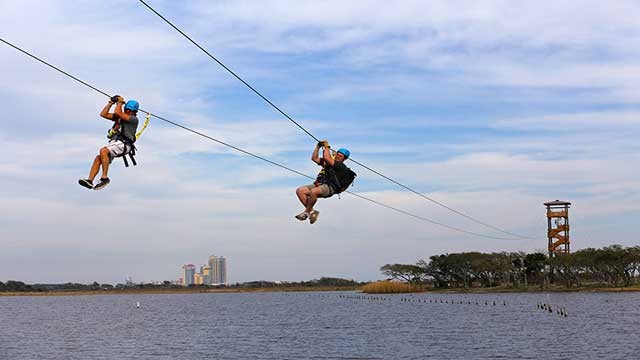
252,154
316,139
231,72
55,68
439,203
154,115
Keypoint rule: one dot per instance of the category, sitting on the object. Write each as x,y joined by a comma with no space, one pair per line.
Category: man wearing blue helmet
334,178
121,138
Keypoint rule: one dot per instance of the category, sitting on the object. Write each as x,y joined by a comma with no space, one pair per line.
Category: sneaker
103,182
86,183
302,216
314,216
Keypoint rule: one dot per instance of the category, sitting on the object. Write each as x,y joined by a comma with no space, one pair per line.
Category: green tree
17,286
565,269
410,273
330,281
449,270
632,264
534,265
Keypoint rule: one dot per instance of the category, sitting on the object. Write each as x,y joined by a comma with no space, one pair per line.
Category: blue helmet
132,105
344,152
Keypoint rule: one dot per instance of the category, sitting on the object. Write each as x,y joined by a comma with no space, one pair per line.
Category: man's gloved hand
114,98
322,143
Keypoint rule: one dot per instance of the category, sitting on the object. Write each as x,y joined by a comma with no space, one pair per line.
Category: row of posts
561,311
433,301
549,308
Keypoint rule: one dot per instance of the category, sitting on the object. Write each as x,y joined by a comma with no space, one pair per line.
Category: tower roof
557,202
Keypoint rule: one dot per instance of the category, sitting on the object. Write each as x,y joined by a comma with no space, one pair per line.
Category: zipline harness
115,134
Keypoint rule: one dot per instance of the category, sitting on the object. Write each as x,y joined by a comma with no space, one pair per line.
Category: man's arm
120,113
326,156
105,111
314,157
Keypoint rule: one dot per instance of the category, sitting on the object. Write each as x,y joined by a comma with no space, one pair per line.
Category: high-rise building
198,279
218,266
206,274
188,274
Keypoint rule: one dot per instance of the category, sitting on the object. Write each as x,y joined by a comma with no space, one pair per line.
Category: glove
323,143
114,98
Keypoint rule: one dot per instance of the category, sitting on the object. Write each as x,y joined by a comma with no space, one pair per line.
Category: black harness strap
132,149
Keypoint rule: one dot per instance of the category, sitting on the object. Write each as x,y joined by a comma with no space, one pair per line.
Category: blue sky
490,107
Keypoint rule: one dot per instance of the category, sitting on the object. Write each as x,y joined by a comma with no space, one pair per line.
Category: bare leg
94,168
312,198
303,194
104,160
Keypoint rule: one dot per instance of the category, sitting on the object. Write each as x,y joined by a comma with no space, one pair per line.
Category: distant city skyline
212,273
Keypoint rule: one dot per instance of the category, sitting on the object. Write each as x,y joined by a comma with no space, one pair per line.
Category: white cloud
614,120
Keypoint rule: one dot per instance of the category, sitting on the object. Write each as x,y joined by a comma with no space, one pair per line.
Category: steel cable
316,139
250,153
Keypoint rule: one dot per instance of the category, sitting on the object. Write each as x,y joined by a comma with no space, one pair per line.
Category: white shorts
117,148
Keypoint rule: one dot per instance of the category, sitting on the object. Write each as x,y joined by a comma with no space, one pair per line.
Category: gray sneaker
302,216
86,183
314,216
103,182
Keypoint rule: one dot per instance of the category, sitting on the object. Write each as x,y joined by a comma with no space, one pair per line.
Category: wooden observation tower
558,226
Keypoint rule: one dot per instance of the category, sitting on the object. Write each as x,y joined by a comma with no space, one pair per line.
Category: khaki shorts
325,190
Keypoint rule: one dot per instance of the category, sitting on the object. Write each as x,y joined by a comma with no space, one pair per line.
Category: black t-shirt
330,174
340,169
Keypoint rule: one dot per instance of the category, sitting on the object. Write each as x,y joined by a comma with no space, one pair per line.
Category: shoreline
165,291
634,288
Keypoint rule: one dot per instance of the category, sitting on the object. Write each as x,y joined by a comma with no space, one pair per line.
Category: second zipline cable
316,139
252,154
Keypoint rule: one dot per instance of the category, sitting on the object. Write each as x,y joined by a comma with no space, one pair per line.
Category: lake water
321,325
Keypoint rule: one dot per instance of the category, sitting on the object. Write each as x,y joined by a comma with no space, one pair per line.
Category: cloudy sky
490,107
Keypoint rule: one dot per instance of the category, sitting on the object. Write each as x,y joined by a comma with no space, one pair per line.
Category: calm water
323,325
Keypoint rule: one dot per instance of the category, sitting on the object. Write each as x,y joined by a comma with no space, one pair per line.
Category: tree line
19,286
613,265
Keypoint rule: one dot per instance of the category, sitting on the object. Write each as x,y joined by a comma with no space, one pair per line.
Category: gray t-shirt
129,128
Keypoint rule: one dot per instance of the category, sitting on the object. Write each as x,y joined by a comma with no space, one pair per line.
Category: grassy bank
391,287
